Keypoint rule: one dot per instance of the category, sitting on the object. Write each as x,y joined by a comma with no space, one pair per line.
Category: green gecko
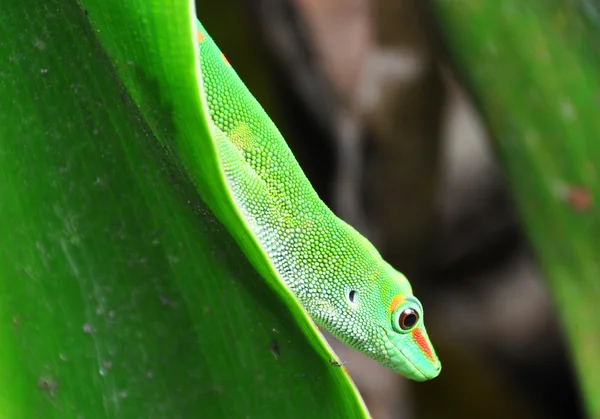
336,273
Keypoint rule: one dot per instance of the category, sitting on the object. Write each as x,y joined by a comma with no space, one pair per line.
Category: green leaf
121,294
534,70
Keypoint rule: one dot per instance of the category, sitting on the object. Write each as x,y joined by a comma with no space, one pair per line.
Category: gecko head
408,348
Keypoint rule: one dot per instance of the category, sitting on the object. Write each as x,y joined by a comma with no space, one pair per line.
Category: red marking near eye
396,301
200,36
422,342
225,59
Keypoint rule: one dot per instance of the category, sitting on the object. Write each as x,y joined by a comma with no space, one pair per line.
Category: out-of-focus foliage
534,70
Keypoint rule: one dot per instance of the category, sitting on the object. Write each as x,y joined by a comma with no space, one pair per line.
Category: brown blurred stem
401,97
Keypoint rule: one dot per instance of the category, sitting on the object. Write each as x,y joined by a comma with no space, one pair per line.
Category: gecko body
336,273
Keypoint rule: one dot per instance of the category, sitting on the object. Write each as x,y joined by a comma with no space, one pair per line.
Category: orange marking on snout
200,36
225,59
422,342
396,301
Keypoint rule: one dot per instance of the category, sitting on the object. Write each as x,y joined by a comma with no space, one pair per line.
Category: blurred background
365,95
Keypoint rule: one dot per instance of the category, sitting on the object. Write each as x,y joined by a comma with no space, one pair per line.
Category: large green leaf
534,70
121,294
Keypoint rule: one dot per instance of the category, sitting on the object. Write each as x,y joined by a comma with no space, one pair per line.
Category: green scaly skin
337,274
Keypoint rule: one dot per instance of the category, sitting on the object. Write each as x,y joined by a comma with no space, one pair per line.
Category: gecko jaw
415,369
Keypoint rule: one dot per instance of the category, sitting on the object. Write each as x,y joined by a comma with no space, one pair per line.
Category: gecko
337,275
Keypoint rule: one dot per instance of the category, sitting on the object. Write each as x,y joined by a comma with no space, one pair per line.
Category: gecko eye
407,319
352,296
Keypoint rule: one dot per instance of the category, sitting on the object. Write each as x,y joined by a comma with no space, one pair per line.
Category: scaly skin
337,274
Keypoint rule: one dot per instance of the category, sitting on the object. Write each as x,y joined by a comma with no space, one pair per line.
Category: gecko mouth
408,362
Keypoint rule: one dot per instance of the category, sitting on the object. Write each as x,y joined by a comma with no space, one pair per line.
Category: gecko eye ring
407,319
